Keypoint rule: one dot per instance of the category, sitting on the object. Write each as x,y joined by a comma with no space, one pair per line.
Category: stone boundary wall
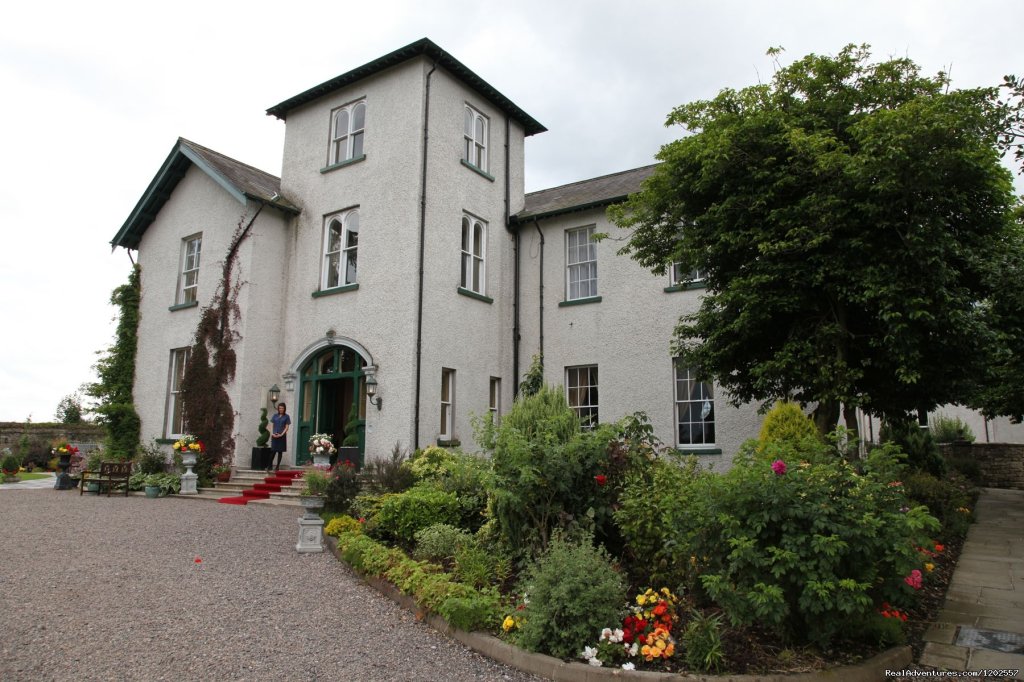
89,435
1001,464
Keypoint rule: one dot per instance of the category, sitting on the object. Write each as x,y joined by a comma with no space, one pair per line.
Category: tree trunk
826,414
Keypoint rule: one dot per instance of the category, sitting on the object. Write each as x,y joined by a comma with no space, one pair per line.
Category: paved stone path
29,485
985,603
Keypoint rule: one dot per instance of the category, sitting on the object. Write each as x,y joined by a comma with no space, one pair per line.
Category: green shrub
480,566
402,515
787,423
917,444
545,473
949,429
151,459
702,639
10,463
949,499
966,465
366,506
660,521
342,487
440,542
342,524
573,592
466,476
481,611
808,547
430,462
391,475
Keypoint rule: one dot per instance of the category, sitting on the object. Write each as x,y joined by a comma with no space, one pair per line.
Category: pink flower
779,467
914,579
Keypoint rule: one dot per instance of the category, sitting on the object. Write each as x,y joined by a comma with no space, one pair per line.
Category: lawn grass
26,476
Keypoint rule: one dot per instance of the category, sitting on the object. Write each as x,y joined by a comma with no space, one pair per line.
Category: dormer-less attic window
347,124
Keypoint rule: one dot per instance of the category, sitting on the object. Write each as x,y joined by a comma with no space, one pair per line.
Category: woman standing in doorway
278,439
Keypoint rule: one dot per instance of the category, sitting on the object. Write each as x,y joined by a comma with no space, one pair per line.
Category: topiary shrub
787,423
402,515
264,437
573,592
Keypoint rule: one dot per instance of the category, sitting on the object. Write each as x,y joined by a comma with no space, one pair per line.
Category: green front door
332,400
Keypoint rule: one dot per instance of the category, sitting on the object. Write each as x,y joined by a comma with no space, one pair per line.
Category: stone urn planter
311,526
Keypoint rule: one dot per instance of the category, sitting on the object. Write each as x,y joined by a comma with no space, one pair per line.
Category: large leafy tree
848,218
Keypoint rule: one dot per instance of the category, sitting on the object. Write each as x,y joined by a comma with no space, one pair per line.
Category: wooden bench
110,473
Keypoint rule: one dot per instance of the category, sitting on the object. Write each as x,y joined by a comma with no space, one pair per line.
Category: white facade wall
627,334
200,205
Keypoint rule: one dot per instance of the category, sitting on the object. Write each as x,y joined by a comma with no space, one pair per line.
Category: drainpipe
423,235
541,311
515,258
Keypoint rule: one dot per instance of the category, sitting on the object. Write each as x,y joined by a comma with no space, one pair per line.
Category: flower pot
321,460
310,505
350,453
224,477
262,458
91,487
152,491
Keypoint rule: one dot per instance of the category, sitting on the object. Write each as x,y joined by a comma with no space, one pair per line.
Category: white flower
606,634
632,650
595,661
589,653
628,666
616,635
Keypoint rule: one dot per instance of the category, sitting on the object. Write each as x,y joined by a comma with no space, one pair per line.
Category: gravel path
93,588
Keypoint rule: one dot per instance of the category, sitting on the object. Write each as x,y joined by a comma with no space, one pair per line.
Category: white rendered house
398,247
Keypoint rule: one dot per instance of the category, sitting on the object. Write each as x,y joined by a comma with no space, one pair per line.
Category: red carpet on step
261,491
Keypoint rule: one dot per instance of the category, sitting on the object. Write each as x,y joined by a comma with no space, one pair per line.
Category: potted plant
222,472
315,489
92,465
262,453
349,449
189,447
152,483
10,465
321,447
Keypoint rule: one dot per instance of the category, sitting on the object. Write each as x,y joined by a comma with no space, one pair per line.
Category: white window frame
678,278
474,136
581,392
188,277
173,419
339,259
494,399
580,263
473,276
347,132
447,404
697,392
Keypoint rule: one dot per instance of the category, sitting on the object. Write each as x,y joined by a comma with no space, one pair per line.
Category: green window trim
473,294
453,443
685,450
183,306
166,441
335,290
580,301
342,164
689,286
479,171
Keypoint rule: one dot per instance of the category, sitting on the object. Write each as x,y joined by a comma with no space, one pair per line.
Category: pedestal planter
310,526
322,460
262,458
350,453
189,478
64,480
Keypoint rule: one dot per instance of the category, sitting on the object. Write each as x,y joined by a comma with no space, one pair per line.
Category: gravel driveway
96,588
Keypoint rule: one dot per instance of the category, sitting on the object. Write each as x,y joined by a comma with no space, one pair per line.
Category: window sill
335,290
342,164
580,301
453,443
689,286
476,170
183,306
473,294
689,450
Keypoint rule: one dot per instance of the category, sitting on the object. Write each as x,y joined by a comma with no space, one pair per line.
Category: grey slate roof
579,196
240,180
425,47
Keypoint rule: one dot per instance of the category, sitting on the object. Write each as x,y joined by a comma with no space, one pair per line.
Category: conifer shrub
787,423
572,592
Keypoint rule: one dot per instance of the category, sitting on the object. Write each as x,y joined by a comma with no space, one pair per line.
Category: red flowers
601,479
914,579
888,611
779,467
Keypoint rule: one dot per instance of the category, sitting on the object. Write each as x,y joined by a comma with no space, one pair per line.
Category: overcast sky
95,94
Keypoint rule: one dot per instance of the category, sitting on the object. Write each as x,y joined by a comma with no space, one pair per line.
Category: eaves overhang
217,166
424,47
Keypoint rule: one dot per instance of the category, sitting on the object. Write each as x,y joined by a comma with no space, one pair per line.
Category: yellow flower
508,623
641,599
929,567
177,445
